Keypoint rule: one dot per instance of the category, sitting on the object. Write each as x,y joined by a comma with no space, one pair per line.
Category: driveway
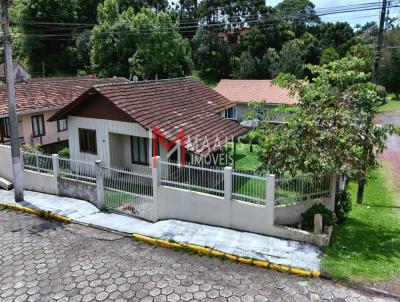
44,260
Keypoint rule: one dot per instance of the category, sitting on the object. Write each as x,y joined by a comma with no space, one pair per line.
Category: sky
352,18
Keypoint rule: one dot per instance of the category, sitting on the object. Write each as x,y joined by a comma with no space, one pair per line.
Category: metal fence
291,190
77,169
129,192
248,187
193,178
37,162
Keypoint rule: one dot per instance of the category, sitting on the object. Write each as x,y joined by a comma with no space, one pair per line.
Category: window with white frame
38,125
62,125
140,150
231,113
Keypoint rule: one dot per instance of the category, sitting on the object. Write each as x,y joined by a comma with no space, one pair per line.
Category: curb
40,213
215,253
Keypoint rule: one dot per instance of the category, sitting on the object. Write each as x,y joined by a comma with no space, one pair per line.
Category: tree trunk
360,191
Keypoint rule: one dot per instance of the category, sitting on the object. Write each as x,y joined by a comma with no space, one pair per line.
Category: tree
55,53
332,127
83,46
159,54
248,67
337,35
389,71
328,55
292,58
254,42
87,10
143,44
212,56
299,13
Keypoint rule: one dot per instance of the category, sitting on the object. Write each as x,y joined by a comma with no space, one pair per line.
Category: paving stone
93,265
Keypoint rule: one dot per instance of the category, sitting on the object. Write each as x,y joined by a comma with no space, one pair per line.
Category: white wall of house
243,109
113,141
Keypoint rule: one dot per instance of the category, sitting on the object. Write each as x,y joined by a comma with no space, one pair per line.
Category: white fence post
270,198
56,168
332,192
155,172
99,185
228,183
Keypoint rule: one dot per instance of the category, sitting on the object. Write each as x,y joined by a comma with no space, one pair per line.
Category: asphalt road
44,260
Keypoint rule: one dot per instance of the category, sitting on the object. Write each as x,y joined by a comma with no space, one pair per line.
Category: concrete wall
77,189
33,181
291,214
174,203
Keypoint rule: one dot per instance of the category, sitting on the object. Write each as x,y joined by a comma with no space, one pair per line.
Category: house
20,72
233,35
36,101
243,92
111,122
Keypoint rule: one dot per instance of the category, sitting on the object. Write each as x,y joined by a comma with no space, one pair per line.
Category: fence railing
130,189
77,169
129,192
249,188
295,189
192,178
37,162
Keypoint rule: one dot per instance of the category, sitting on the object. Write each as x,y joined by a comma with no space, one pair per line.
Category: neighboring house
111,122
20,73
234,35
243,92
36,101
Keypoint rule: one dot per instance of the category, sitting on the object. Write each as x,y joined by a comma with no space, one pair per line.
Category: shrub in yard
343,205
64,152
308,216
32,148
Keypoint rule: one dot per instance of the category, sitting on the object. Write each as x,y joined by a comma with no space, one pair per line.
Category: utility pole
379,42
377,58
12,114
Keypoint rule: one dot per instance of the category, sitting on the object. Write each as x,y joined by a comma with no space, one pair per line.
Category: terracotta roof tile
245,91
45,93
171,105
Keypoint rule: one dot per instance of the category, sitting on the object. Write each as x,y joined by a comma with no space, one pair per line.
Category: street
44,260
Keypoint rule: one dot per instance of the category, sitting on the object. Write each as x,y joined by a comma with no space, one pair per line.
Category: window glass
87,141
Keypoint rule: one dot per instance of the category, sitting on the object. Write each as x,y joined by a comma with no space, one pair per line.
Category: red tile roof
245,91
48,93
171,105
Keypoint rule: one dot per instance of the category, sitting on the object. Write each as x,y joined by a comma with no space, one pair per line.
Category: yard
367,247
393,105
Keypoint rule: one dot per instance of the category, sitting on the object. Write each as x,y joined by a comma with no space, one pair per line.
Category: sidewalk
241,244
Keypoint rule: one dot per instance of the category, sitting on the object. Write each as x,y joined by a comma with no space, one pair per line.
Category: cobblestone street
42,260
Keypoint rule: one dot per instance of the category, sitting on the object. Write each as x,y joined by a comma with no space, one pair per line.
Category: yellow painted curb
210,252
36,212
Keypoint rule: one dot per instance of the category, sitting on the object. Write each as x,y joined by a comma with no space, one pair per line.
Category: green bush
343,205
64,152
308,216
32,148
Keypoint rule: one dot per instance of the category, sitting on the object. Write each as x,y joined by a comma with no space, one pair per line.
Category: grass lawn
392,106
245,160
367,247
